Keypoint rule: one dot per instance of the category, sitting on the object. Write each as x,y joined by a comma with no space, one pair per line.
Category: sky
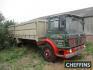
25,10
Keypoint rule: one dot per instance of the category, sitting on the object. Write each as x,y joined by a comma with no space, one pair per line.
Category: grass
37,61
22,58
11,54
27,58
89,47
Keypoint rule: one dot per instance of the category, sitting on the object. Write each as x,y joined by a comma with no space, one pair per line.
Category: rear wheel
48,53
19,42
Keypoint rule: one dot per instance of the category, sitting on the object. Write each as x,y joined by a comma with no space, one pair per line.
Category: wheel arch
49,41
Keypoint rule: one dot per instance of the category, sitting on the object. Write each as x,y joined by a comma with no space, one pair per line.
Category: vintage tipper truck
57,36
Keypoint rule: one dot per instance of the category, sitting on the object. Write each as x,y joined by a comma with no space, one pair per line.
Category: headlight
70,50
84,46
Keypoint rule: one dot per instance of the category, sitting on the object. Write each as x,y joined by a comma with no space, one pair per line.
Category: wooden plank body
34,29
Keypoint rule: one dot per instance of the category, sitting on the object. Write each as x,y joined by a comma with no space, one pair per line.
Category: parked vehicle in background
57,36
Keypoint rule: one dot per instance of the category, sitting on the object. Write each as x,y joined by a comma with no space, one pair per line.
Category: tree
5,41
1,17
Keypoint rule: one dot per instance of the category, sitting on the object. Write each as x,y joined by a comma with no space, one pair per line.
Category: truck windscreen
56,25
74,25
53,24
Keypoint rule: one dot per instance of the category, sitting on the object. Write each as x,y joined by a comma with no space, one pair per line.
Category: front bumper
72,54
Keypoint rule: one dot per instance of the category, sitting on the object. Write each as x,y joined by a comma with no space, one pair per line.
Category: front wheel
48,53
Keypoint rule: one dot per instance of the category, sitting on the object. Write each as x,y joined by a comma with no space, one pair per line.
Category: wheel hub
47,53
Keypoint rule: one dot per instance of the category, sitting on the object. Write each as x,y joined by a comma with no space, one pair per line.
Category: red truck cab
65,37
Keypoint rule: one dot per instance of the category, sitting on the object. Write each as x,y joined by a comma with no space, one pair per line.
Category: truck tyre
19,42
48,53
